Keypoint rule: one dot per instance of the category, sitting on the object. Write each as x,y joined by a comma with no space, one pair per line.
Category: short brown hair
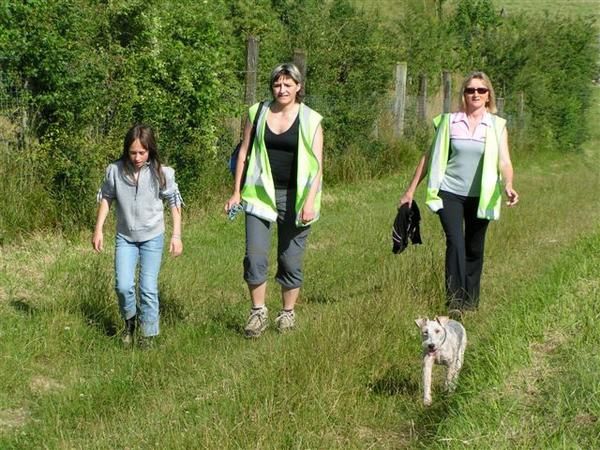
287,70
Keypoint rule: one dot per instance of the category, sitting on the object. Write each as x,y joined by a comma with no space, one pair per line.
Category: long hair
491,103
146,137
287,70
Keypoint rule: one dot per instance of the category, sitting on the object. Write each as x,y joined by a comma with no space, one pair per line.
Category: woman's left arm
176,245
308,211
506,169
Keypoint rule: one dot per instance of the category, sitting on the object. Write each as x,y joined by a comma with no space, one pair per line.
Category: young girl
139,184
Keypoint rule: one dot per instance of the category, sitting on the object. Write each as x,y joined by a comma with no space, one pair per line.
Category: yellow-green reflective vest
258,192
490,197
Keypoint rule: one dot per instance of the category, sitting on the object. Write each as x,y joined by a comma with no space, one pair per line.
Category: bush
550,59
85,71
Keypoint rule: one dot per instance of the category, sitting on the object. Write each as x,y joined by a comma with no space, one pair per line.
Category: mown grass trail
349,377
395,8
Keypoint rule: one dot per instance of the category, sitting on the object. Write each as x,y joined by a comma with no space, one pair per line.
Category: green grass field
563,7
395,8
349,376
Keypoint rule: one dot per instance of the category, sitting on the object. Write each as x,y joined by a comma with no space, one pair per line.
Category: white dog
444,341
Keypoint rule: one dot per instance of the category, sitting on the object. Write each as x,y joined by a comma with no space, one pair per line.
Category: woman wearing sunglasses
468,166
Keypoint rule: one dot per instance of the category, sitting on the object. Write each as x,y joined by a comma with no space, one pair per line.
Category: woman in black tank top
282,130
283,155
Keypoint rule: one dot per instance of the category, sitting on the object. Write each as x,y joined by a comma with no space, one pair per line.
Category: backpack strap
254,126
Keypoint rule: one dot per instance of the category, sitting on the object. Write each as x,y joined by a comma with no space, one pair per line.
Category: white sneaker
257,322
286,320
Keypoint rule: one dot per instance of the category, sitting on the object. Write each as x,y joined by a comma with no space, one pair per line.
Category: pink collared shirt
459,127
463,171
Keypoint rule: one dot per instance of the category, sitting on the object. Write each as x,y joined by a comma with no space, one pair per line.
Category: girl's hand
98,241
511,194
308,214
176,246
235,199
406,198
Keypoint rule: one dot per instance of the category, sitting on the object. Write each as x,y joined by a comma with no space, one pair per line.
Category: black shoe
455,314
470,307
129,332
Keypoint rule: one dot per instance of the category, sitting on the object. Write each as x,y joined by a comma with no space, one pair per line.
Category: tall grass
349,376
24,202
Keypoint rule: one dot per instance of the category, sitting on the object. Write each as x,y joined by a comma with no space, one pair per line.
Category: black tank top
283,155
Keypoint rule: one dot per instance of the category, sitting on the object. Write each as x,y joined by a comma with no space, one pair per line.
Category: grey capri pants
291,242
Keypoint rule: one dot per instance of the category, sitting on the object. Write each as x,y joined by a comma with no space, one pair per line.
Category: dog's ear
442,320
421,321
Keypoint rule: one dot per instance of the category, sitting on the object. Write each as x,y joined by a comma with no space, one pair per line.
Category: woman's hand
98,241
512,195
235,199
407,197
176,246
308,214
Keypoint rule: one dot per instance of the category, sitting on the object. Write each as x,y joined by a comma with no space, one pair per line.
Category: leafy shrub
85,71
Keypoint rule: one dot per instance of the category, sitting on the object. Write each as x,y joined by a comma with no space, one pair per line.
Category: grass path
395,8
349,376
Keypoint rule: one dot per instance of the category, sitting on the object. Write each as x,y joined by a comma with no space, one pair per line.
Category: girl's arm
98,237
176,245
506,169
308,211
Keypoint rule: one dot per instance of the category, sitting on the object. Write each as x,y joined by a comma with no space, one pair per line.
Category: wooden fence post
500,105
299,61
252,45
399,99
521,109
422,99
447,86
23,136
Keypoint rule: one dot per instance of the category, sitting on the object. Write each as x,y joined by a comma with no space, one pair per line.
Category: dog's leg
427,368
452,374
455,367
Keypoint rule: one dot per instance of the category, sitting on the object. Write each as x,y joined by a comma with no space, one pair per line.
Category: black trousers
465,239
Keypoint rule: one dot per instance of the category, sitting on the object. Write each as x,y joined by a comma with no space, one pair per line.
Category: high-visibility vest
258,192
490,197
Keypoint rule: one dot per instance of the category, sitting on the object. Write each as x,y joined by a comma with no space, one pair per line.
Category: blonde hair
491,102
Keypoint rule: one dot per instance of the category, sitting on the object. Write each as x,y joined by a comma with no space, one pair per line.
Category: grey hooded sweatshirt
139,205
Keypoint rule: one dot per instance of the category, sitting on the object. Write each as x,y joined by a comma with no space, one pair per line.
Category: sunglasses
479,90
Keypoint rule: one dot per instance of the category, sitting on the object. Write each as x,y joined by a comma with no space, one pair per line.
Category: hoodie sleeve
107,189
170,192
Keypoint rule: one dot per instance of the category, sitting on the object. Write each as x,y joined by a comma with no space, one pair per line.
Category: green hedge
79,73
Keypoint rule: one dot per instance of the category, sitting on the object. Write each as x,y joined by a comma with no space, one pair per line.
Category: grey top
139,205
465,164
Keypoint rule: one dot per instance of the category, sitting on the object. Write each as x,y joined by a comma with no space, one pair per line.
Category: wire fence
17,113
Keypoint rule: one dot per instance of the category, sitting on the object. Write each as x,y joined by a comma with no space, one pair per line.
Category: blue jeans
149,254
